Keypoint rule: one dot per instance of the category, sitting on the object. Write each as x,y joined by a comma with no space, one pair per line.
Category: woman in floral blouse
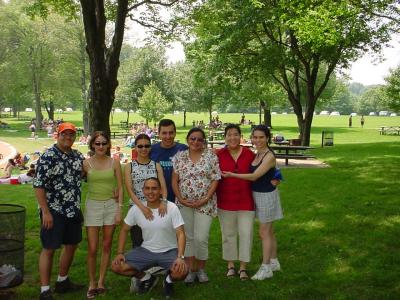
194,181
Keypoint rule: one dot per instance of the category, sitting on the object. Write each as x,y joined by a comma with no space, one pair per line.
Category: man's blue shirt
164,157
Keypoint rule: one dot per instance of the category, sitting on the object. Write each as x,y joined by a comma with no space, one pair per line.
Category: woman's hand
200,202
275,182
117,217
162,210
186,202
148,214
226,174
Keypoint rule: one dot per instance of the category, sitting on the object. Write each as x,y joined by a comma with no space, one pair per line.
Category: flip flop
91,293
101,291
231,272
243,275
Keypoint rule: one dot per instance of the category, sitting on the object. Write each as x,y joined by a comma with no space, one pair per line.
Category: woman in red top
235,203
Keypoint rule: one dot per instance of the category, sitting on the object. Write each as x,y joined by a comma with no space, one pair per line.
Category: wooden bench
384,130
116,134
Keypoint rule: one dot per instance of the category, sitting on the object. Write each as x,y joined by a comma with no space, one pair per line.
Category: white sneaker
263,272
190,277
275,265
202,276
135,283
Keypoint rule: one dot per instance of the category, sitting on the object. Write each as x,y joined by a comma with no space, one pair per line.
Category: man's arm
47,218
181,240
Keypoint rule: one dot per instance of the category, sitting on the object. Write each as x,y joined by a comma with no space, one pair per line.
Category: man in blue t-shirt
163,151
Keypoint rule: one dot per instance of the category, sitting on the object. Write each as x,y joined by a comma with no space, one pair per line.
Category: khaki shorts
100,212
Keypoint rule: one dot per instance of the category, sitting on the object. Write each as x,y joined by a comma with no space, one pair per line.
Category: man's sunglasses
143,146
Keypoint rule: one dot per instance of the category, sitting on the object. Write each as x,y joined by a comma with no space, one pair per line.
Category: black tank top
263,184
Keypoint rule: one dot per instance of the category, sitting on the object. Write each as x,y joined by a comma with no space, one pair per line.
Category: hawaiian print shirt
195,178
59,174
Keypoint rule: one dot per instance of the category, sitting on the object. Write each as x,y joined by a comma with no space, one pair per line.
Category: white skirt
268,206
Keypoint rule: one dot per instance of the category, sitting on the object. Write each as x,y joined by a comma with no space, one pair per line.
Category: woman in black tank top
266,198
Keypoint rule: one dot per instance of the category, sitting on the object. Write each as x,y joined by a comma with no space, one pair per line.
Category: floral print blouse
195,178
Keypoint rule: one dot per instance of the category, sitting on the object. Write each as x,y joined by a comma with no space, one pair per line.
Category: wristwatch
181,257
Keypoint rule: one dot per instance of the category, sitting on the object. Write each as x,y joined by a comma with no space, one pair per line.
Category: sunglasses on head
193,139
101,143
143,146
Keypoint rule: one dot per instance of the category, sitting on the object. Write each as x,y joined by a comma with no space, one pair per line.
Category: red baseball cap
66,126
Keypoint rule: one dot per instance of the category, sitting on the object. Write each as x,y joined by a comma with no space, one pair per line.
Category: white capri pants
197,230
234,223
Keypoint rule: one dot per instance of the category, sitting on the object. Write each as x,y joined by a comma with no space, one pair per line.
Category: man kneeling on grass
163,243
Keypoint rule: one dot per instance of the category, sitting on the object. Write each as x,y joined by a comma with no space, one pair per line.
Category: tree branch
169,4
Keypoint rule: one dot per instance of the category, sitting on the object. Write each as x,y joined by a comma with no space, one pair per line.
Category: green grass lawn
339,238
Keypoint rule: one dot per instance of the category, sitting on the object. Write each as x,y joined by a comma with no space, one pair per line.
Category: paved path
7,151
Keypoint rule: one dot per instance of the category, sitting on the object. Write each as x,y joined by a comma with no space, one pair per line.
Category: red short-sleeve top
235,194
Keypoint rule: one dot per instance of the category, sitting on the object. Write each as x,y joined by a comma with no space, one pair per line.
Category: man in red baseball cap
58,190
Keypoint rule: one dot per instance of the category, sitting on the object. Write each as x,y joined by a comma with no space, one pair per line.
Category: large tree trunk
36,89
104,63
50,109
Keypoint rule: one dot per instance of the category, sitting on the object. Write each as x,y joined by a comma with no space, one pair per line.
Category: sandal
243,275
101,291
91,293
231,272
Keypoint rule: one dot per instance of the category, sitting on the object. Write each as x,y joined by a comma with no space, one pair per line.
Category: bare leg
231,264
266,239
190,261
108,232
243,265
274,248
93,241
45,265
201,264
126,270
67,255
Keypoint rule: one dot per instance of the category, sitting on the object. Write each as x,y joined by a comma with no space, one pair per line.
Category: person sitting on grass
9,168
163,243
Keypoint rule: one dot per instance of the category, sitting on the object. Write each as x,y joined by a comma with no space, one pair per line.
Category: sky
367,70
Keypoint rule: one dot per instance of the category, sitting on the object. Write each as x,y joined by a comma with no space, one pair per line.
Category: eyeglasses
194,139
101,143
64,134
143,146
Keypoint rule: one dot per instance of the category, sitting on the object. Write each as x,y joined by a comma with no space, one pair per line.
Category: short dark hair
195,129
152,178
142,136
165,123
232,126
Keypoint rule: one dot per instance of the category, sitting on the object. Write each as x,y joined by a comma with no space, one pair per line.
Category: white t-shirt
159,234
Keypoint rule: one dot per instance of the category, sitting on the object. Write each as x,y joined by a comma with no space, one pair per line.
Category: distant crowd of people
175,191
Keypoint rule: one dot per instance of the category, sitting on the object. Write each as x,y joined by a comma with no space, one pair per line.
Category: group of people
175,191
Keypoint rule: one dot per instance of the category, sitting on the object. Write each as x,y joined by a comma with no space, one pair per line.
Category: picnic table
383,130
291,152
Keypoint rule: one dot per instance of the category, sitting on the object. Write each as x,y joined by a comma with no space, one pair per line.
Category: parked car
372,113
393,115
335,113
383,113
324,113
353,114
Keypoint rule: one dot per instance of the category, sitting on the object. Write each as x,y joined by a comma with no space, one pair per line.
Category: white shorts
100,212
